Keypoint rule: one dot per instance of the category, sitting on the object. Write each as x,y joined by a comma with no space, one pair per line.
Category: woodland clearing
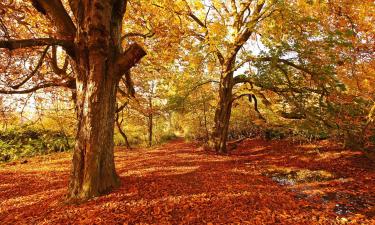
179,183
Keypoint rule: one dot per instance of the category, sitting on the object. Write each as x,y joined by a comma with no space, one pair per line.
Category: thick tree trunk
222,115
97,48
93,43
93,160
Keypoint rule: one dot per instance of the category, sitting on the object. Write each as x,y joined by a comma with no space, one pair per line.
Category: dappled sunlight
59,162
336,155
259,181
244,171
257,149
23,201
162,171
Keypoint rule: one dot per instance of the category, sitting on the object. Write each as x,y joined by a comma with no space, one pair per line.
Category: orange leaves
181,185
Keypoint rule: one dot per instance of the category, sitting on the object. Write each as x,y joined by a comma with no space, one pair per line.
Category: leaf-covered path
179,183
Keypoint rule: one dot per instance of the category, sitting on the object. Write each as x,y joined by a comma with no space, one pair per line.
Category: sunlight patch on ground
38,168
171,170
172,200
336,155
291,176
258,149
242,171
23,201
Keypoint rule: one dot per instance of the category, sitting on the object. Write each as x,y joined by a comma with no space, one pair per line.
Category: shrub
26,142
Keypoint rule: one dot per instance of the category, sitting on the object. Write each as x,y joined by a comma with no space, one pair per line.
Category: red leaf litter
180,183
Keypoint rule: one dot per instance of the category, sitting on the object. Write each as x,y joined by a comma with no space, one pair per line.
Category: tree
289,48
226,27
92,40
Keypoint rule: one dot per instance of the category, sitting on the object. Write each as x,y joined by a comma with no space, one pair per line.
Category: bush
168,137
26,142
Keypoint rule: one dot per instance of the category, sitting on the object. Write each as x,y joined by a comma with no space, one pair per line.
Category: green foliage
168,137
26,142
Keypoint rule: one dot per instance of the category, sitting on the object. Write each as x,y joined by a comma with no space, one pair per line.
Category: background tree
279,49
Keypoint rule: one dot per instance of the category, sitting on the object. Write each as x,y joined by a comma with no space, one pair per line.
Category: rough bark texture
93,170
100,63
222,115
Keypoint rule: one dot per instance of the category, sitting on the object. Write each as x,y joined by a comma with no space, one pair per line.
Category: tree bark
222,114
118,124
205,121
100,64
150,120
93,43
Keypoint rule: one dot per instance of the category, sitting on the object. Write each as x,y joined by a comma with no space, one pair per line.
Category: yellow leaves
196,61
217,33
217,29
197,4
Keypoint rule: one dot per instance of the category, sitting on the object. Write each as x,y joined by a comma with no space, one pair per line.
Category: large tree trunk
93,160
97,47
93,43
222,115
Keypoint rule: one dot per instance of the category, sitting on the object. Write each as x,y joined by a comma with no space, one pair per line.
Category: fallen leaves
178,184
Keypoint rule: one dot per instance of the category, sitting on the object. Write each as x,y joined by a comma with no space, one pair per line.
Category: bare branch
241,79
197,20
118,124
251,97
68,84
12,44
129,84
133,34
269,59
40,63
122,107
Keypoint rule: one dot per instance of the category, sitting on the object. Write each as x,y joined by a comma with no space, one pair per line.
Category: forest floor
179,183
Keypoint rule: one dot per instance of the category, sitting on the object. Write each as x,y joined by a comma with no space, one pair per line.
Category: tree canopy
213,71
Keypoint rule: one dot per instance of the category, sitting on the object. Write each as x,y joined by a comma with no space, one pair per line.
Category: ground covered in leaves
179,183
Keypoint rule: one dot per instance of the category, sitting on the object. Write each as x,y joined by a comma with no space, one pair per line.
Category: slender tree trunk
118,124
150,123
150,116
222,115
205,120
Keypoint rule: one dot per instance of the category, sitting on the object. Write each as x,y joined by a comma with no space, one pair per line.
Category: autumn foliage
181,183
251,111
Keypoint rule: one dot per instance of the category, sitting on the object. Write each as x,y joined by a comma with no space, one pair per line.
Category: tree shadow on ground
179,183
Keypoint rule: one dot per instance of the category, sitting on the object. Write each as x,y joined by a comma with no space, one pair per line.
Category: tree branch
12,44
56,12
55,67
67,84
122,107
133,34
118,124
40,63
129,58
251,97
129,84
241,79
